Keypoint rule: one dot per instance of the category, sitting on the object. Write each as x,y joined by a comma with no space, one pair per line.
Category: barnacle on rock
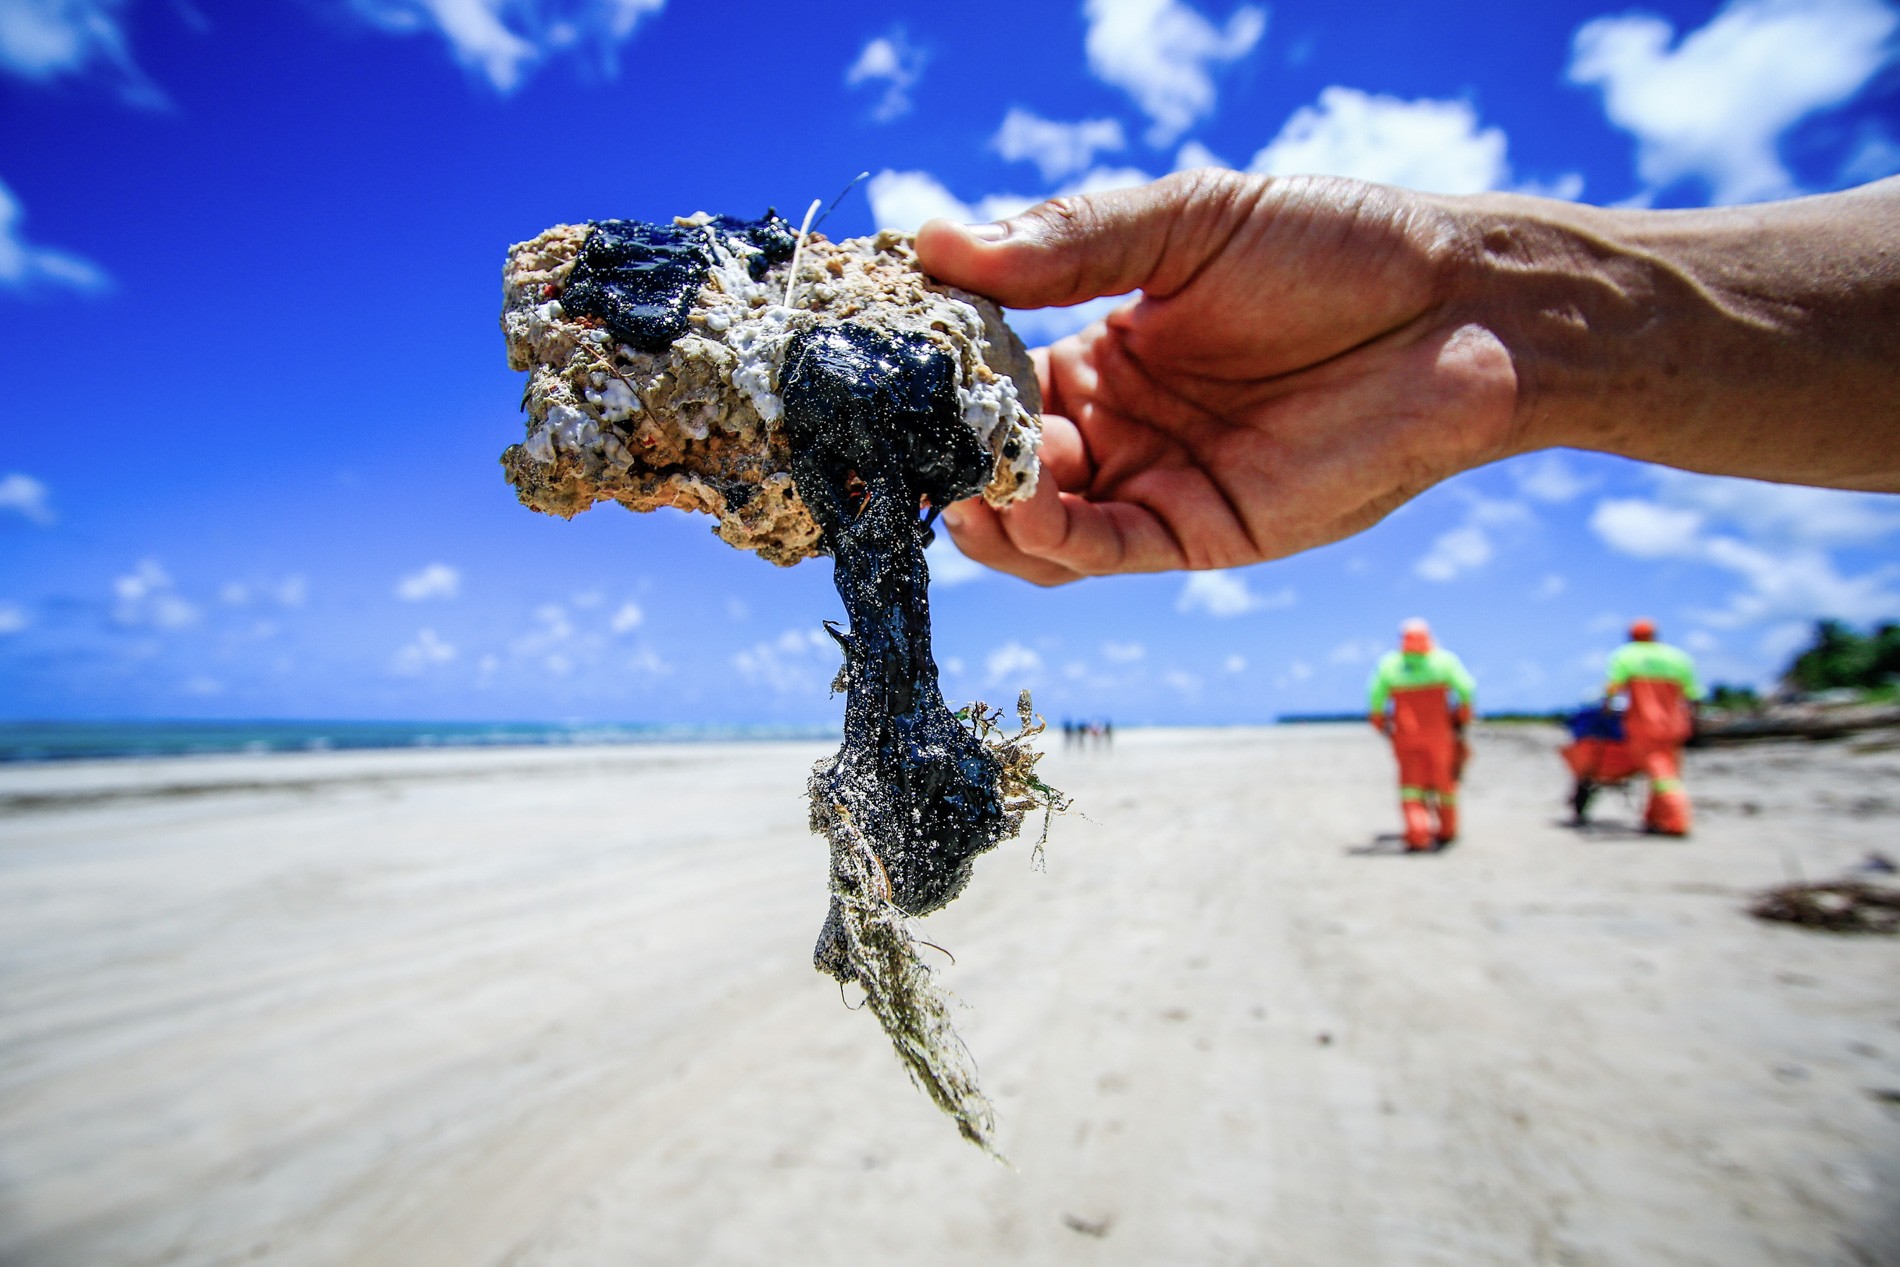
673,365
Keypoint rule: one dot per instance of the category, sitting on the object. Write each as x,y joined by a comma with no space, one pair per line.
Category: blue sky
254,389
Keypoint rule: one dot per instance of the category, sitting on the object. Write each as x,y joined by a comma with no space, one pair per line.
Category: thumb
1154,238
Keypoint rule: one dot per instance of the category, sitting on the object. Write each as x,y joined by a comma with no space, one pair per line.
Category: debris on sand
1843,906
814,397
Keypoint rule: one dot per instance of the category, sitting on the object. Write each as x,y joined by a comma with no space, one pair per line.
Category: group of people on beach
1422,698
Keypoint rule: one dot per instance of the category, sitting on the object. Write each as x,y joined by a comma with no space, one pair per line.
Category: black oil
876,431
641,280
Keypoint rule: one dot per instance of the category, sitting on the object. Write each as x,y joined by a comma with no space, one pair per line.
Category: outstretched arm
1306,354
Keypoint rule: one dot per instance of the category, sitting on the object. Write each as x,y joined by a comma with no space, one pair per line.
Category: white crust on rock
696,426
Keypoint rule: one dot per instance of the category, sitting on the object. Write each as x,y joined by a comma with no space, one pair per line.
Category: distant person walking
1426,726
1661,684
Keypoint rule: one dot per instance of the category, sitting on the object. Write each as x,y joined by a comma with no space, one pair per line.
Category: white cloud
425,651
202,685
1714,107
43,40
1040,327
1123,652
1011,664
1194,154
1773,537
1163,53
147,597
503,40
1463,549
889,60
948,565
1186,683
24,266
647,660
26,497
13,618
437,580
629,617
1875,155
1551,586
1355,651
904,200
798,662
1226,593
1235,664
1433,146
1057,149
292,591
1645,529
1548,478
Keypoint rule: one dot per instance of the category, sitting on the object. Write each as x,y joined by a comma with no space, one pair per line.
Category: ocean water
74,740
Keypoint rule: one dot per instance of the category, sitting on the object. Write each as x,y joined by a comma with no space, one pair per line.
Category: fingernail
993,232
952,516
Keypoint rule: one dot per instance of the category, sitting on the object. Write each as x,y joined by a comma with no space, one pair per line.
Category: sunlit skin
1307,354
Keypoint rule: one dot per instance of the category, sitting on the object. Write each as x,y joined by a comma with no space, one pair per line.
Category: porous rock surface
697,424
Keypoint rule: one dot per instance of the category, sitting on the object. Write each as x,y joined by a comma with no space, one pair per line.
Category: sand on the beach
539,1007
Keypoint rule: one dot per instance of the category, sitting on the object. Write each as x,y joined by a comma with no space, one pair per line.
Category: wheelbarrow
1598,757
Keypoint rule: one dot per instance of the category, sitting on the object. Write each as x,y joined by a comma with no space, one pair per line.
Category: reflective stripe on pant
1425,783
1668,809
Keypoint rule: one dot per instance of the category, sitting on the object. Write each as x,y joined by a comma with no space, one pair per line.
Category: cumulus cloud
798,662
1235,664
1194,154
147,597
13,618
44,40
1469,546
1645,529
1012,664
26,497
948,565
627,618
1434,146
425,651
26,267
1226,593
1552,585
1455,552
1187,684
1123,652
1548,478
437,580
1355,651
1714,107
891,62
1775,538
502,41
1057,149
1163,54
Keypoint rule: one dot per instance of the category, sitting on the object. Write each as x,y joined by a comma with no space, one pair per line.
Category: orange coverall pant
1426,746
1655,728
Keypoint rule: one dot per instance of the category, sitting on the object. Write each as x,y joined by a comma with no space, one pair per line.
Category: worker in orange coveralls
1662,687
1426,726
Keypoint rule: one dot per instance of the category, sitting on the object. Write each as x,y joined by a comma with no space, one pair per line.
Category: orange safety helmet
1642,629
1415,637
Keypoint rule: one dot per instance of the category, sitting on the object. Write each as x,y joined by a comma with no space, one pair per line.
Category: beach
544,1007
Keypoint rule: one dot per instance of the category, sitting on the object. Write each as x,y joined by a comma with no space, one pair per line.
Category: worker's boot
1447,819
1668,813
1418,824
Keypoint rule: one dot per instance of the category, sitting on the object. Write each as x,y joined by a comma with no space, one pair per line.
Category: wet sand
543,1007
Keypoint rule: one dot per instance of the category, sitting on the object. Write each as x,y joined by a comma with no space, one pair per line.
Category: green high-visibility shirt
1399,671
1656,662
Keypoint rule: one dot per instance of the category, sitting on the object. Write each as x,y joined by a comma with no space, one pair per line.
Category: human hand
1302,360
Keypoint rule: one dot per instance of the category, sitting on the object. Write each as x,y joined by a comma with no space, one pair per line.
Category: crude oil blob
875,429
641,279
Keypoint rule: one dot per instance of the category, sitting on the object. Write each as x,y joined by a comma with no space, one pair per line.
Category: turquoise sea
72,740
